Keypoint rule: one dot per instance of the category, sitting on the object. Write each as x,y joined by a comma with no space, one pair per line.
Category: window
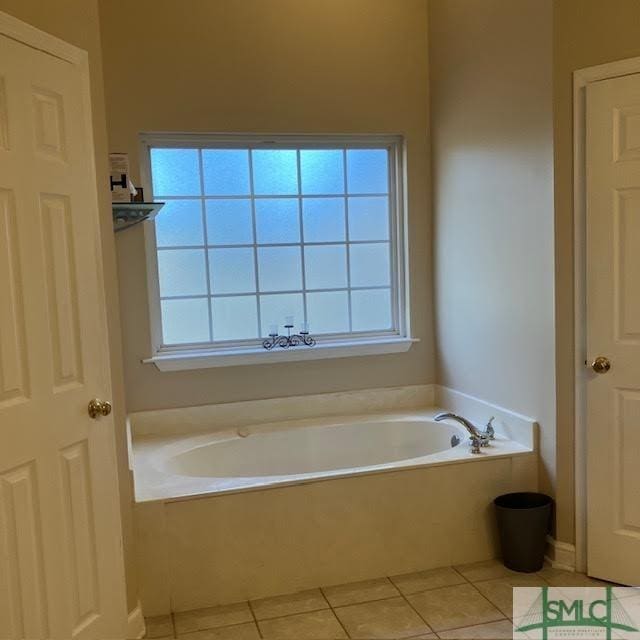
256,231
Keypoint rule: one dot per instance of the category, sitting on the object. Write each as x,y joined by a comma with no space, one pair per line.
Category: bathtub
301,452
296,452
246,510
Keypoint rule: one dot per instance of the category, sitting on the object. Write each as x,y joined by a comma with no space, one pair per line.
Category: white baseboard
560,555
136,627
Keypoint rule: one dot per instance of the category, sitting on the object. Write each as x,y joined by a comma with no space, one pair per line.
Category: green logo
602,612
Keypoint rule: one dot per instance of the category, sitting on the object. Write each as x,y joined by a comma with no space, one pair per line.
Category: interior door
613,329
61,567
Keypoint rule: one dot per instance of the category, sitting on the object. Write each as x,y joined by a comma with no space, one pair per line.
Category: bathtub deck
469,601
154,483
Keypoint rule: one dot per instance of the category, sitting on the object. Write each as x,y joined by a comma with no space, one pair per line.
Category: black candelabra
290,340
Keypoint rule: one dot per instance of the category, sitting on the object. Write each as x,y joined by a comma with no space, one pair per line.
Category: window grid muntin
273,293
255,243
205,235
246,245
302,245
346,235
271,197
397,282
395,250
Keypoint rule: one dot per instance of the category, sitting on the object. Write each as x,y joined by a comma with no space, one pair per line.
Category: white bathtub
311,450
295,452
251,511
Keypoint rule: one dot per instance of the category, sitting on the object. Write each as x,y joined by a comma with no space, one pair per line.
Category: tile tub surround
232,415
212,541
452,603
213,417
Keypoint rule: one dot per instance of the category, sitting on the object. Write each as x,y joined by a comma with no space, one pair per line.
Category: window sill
203,359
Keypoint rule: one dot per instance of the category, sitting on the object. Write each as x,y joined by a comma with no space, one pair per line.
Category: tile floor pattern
451,603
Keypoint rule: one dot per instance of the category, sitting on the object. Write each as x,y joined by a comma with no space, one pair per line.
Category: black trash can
523,524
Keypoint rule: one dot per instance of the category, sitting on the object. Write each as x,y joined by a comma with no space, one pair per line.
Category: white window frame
197,356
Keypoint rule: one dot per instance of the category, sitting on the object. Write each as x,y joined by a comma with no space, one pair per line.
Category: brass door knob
98,408
601,364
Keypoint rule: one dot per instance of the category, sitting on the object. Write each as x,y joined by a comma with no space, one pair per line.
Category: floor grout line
226,626
489,601
495,606
255,619
469,626
289,615
173,625
337,617
404,597
355,604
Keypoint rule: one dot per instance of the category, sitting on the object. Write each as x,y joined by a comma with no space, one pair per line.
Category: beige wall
257,66
76,21
586,33
342,66
491,97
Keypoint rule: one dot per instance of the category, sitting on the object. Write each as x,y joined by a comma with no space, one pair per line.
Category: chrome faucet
477,437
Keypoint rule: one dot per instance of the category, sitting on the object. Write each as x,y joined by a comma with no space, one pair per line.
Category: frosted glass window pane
277,220
229,222
232,270
325,266
322,171
369,264
275,172
185,321
275,308
371,309
235,318
369,218
226,172
328,312
367,171
323,219
179,223
175,172
182,272
280,268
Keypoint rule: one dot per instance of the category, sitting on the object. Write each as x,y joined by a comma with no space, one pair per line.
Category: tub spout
478,438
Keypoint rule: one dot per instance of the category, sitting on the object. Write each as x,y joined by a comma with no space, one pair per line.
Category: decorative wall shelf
128,214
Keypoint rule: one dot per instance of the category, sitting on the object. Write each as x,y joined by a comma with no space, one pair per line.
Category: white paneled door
61,567
613,329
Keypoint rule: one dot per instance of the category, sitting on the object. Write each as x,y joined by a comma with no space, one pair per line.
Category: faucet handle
489,431
476,443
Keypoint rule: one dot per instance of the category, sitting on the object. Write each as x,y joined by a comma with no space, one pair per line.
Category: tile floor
452,603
